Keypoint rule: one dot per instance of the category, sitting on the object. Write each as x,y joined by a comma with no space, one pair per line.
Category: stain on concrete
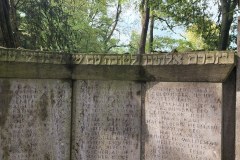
144,75
5,99
52,98
138,93
47,157
5,153
43,104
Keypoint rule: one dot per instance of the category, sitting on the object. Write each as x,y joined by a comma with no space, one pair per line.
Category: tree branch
119,10
119,46
169,26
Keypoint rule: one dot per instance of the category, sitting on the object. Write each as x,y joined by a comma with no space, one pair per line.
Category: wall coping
29,56
209,66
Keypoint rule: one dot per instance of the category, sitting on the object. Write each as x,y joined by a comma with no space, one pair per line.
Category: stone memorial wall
35,119
107,120
57,106
183,121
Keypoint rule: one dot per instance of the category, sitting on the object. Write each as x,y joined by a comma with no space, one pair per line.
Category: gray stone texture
107,120
123,107
183,121
238,112
229,117
206,66
35,119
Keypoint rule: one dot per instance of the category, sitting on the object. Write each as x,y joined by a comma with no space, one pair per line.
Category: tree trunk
5,24
227,9
2,42
145,22
14,23
151,33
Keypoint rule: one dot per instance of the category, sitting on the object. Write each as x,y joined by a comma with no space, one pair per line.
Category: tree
151,36
109,35
6,26
227,11
145,14
44,25
69,25
92,26
134,42
190,13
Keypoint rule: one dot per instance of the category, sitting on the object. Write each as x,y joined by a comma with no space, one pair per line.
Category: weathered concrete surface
190,67
182,121
35,119
229,117
237,122
179,121
238,112
107,120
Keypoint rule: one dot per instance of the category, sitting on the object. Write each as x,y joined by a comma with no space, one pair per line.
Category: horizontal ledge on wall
187,67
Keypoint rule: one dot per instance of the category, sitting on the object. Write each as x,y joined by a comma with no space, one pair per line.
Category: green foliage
74,26
168,44
134,42
45,26
202,41
195,15
193,41
86,25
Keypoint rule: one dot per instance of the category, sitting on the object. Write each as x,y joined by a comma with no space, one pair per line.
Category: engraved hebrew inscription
121,59
182,121
106,120
34,119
